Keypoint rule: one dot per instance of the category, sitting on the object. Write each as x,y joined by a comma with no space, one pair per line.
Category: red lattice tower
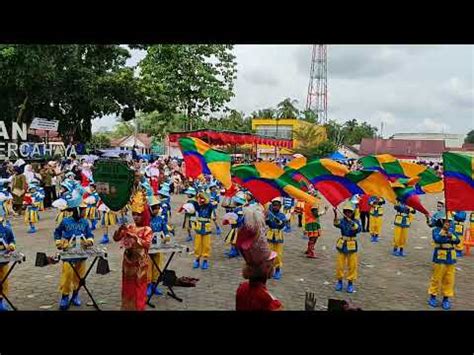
317,99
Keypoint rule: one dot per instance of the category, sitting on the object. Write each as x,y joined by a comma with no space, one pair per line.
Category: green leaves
192,79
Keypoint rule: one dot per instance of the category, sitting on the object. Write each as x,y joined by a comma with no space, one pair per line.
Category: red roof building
403,148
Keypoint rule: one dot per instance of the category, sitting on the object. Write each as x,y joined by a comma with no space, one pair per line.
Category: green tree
469,137
312,142
70,83
287,109
265,113
235,121
122,129
195,80
100,140
351,132
310,116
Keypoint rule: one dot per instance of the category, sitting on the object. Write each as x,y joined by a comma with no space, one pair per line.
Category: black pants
364,218
49,196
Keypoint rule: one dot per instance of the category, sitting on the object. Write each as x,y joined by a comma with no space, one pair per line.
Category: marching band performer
312,227
459,217
202,228
7,242
191,194
136,238
165,202
215,199
31,214
64,194
253,294
440,211
109,219
92,199
444,260
375,219
160,231
276,221
6,209
288,204
238,201
299,211
74,226
402,224
346,247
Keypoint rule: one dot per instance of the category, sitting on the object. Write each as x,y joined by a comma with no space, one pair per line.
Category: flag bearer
191,194
7,244
202,228
402,225
444,260
346,247
459,217
375,219
312,227
276,221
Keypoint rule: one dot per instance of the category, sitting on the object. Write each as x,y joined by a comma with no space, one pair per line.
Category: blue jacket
444,252
349,229
276,220
376,204
202,224
402,218
69,228
6,233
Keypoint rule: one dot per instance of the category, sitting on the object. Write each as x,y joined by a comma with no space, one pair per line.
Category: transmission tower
317,99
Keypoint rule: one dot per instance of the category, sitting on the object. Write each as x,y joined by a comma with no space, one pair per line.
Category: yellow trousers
202,246
400,236
69,281
349,260
375,225
277,248
442,279
3,272
153,273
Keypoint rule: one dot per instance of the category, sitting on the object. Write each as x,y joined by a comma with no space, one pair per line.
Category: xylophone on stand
5,258
77,251
159,246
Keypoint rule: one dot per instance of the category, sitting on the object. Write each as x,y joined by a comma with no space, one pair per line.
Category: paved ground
385,282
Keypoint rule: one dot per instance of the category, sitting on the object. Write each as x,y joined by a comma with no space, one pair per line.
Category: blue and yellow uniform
67,229
202,227
288,204
276,221
347,248
402,224
92,213
459,217
160,230
444,260
7,243
375,217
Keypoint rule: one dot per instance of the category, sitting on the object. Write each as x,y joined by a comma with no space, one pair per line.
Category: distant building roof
402,148
450,139
144,138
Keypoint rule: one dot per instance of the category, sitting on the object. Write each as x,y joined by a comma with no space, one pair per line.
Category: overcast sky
409,88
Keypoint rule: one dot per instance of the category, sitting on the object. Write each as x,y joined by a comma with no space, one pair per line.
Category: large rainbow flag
292,169
337,183
200,159
429,181
266,181
458,181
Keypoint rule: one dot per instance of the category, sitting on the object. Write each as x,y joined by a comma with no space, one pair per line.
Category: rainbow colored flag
429,181
266,181
406,193
337,183
200,158
458,181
